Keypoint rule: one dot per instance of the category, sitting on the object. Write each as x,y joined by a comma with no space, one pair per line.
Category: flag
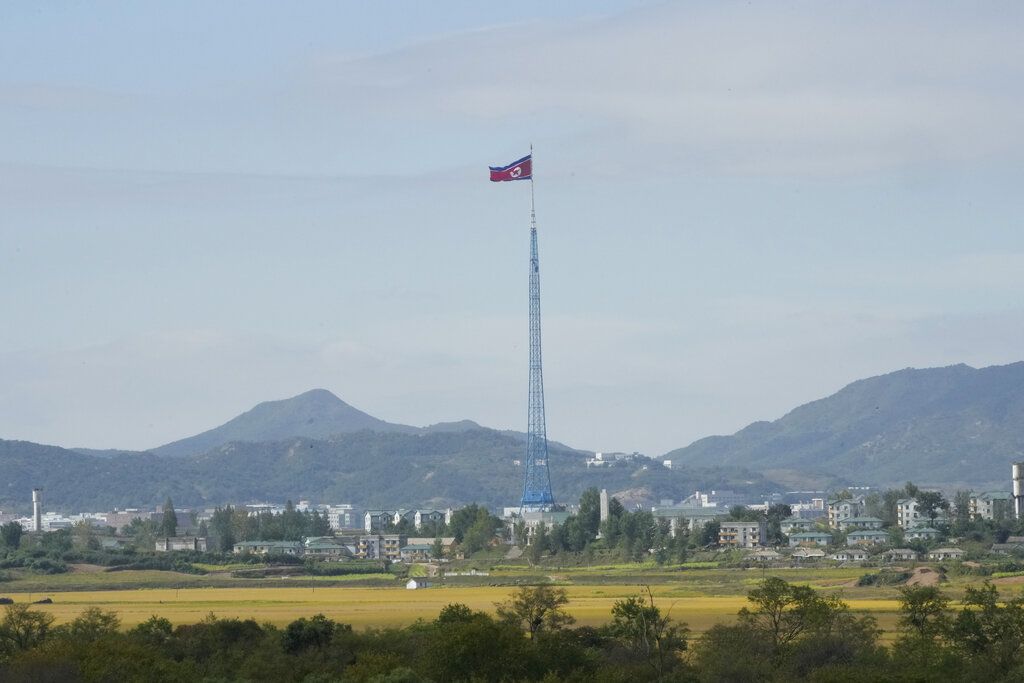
517,170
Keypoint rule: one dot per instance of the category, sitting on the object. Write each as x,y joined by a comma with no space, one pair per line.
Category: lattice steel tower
537,484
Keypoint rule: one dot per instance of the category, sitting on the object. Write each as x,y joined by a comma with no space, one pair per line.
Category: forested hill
939,426
314,414
367,469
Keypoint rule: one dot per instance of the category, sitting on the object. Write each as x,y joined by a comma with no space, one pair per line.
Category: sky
741,206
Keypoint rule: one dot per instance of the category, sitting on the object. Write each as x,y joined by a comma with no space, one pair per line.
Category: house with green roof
921,533
809,538
792,525
859,523
268,547
867,537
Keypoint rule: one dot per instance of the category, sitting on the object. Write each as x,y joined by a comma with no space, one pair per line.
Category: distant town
856,525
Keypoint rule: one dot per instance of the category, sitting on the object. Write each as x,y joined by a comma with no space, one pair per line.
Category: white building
742,534
692,518
342,516
710,499
907,514
605,459
841,510
991,505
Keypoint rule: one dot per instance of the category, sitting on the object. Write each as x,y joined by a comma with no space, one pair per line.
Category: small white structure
902,555
850,555
946,554
805,554
414,584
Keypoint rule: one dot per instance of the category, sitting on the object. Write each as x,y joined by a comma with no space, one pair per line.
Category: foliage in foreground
786,632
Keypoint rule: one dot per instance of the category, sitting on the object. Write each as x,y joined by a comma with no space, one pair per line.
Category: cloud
748,89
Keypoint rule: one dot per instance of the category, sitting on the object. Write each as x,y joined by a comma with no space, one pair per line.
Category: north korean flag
517,170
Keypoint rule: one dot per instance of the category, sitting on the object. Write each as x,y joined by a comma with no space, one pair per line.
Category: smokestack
37,510
1018,490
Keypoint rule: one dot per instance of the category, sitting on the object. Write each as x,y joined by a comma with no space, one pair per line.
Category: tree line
786,632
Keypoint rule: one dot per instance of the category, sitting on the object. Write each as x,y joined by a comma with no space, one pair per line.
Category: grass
226,567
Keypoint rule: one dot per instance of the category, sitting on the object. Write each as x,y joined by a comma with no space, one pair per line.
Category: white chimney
37,510
1018,490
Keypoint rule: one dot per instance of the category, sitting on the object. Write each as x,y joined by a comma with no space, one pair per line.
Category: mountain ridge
316,413
955,423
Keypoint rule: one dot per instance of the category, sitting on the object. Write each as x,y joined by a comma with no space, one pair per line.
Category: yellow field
364,607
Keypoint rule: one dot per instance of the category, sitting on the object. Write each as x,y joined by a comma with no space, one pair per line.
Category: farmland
700,596
380,607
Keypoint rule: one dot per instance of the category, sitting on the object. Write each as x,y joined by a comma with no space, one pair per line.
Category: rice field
392,606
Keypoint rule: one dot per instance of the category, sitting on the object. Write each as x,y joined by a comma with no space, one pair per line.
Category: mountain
952,425
365,468
315,414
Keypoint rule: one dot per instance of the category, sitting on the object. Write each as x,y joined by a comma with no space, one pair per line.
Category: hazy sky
742,207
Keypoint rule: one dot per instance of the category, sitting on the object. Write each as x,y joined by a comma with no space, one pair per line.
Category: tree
930,502
319,525
10,534
169,523
775,514
22,629
539,543
143,532
538,608
789,633
464,518
91,625
576,535
437,549
923,611
222,529
480,533
154,631
888,512
651,636
962,507
590,512
741,513
709,533
84,535
315,632
519,535
463,645
782,611
989,633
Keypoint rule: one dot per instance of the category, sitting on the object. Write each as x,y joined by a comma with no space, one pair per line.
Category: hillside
314,414
938,426
365,468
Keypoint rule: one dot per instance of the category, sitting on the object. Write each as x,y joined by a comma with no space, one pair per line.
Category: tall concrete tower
37,510
1018,490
